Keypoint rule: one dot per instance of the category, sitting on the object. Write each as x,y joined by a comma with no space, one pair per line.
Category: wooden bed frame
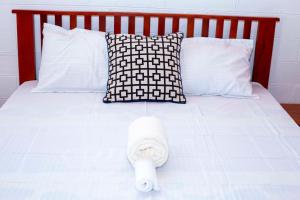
264,37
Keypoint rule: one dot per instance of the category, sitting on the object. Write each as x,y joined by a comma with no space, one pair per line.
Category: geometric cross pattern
144,68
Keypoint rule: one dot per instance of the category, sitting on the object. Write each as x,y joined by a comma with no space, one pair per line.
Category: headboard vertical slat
161,25
263,52
220,28
88,22
247,29
233,29
43,19
117,24
131,24
205,27
175,24
102,23
147,22
190,27
26,47
58,20
73,21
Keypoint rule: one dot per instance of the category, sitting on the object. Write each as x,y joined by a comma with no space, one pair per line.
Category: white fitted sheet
73,146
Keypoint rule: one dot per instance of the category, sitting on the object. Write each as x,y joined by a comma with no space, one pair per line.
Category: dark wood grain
131,24
73,21
117,24
58,20
233,29
102,23
264,39
190,27
247,29
294,111
161,25
147,22
263,52
88,22
26,50
205,27
43,19
140,14
220,28
175,24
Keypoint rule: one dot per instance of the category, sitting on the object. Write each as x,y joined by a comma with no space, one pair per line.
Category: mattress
73,146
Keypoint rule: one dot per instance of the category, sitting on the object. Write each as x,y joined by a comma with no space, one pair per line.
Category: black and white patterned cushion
144,68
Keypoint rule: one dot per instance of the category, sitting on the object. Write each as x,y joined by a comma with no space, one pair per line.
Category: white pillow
73,61
211,66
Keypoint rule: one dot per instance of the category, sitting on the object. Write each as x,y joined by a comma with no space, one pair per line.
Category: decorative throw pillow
144,68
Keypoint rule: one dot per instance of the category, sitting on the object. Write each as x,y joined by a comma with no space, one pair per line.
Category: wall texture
285,73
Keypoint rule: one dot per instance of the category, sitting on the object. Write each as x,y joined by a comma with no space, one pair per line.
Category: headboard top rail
142,14
264,36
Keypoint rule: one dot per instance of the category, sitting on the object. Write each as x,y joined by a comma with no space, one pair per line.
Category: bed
67,145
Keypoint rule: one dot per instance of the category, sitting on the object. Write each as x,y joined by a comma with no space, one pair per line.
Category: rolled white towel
147,139
147,142
145,176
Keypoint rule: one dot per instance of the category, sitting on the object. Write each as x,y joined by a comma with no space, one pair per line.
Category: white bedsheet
73,146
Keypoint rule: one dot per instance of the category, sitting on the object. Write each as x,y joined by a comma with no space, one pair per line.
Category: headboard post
26,47
263,51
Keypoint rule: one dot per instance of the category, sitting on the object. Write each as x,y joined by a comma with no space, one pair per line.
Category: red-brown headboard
264,37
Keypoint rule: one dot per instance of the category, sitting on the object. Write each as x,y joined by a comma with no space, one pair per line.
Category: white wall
285,73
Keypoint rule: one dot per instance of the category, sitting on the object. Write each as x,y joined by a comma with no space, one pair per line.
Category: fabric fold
147,149
145,175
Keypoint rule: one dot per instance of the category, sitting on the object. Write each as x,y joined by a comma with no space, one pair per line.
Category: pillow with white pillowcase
72,61
212,66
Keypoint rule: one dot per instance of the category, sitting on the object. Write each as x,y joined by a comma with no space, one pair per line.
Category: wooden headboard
264,37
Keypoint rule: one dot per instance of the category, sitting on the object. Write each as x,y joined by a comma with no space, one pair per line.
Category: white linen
73,60
212,66
72,146
147,140
145,175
